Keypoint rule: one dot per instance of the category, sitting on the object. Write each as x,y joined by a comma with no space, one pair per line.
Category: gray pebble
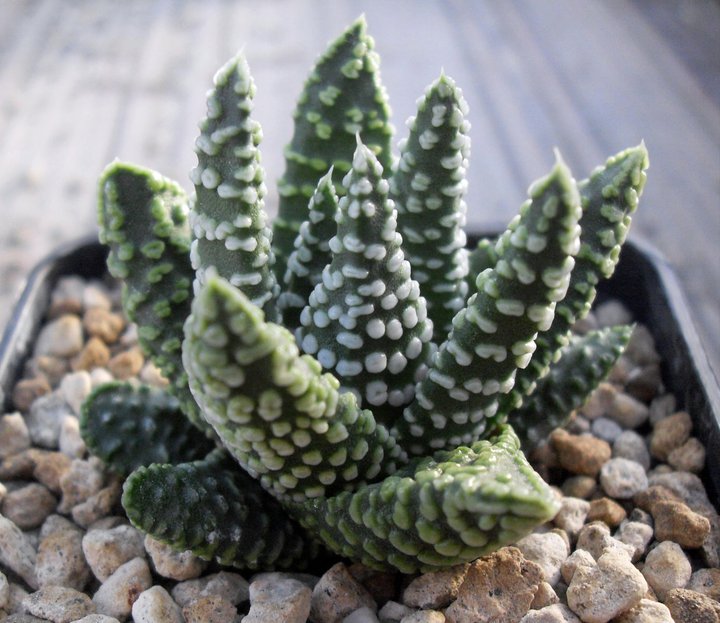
284,601
230,586
612,313
627,411
606,429
572,514
60,559
637,534
554,613
58,604
393,612
17,552
364,615
630,445
45,419
4,591
549,550
622,478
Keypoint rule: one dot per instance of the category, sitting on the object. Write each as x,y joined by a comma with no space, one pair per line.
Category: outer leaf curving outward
494,335
609,197
218,512
341,98
366,321
231,236
129,426
428,188
274,410
436,512
584,362
143,219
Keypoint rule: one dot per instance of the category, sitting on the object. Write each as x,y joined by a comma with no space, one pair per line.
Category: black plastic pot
643,281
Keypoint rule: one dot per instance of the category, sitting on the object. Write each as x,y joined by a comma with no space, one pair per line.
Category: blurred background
85,81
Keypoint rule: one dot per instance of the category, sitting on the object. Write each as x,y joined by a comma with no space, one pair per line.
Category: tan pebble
106,325
74,388
98,505
28,506
18,466
421,616
646,611
27,390
394,611
14,435
436,589
336,595
95,354
209,609
130,336
68,291
666,567
580,454
579,487
52,368
151,375
59,604
382,585
628,411
641,348
545,596
687,606
647,499
497,587
71,442
96,295
106,550
60,559
283,601
689,457
62,337
636,534
674,521
49,467
172,564
83,479
599,401
118,593
602,590
606,510
707,582
621,371
645,383
670,433
126,364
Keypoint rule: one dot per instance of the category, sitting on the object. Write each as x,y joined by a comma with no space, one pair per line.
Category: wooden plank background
86,81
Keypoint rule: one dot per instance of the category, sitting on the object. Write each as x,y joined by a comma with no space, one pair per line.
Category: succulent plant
351,374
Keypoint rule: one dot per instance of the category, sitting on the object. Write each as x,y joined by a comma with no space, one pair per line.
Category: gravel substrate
636,539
